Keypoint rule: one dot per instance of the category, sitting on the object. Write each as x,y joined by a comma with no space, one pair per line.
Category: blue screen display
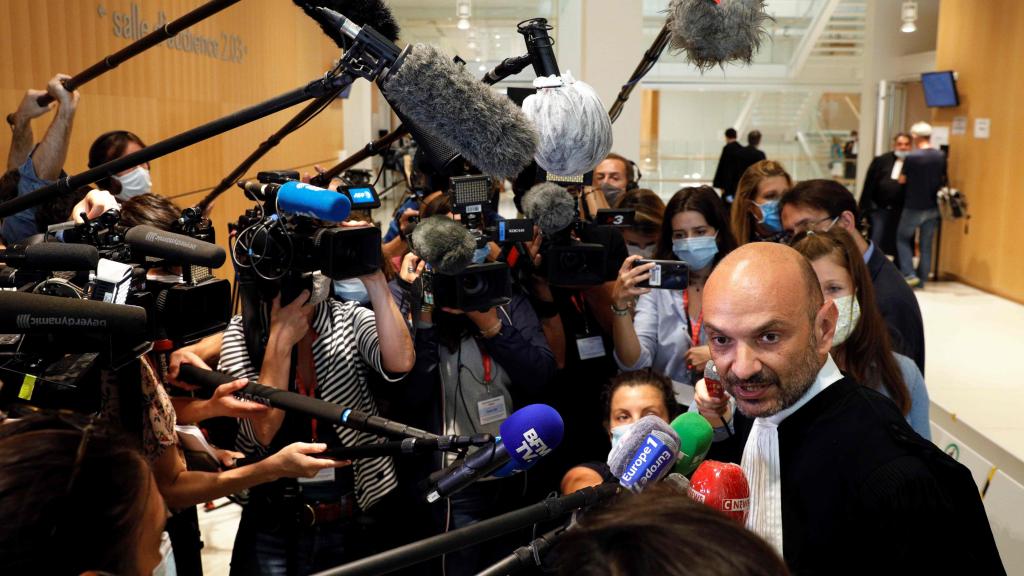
940,89
361,196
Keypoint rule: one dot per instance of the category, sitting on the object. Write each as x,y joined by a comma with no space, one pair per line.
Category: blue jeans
911,220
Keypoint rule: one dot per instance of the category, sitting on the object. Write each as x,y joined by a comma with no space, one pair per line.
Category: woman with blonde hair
755,211
642,237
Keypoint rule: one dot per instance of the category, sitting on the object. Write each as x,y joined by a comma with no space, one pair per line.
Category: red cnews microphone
722,486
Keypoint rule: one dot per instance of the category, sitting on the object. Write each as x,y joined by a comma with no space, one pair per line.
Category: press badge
323,476
590,347
492,410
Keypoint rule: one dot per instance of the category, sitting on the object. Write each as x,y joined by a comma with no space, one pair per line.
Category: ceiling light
497,44
908,13
482,68
471,45
497,36
463,24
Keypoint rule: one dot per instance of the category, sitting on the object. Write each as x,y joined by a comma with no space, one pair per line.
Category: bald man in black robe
860,491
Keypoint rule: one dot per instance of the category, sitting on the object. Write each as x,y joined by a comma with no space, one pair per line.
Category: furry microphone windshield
444,244
575,131
372,13
445,100
550,206
713,33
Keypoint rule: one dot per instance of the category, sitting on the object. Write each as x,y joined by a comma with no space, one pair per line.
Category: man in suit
839,482
881,200
729,170
821,204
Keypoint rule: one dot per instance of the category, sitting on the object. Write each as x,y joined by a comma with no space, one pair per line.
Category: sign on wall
132,25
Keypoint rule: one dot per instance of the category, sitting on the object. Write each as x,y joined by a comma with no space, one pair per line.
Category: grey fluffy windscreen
621,455
444,244
372,13
712,34
444,99
550,206
575,131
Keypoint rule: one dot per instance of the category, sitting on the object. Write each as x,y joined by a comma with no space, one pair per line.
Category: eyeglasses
814,224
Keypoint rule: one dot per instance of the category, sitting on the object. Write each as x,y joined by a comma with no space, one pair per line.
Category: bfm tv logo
532,446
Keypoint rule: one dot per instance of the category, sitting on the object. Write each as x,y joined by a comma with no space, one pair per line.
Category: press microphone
528,434
444,244
441,97
722,486
713,381
713,32
51,256
372,13
299,199
575,130
402,447
314,407
695,435
146,240
645,454
550,206
26,313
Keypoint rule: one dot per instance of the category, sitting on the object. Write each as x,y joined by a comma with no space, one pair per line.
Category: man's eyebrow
771,325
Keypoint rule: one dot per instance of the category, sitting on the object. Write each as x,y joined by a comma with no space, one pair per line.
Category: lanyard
580,303
485,358
310,391
694,327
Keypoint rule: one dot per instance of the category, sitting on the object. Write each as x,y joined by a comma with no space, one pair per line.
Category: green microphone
695,435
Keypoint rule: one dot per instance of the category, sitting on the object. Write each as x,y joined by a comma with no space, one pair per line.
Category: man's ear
825,326
847,221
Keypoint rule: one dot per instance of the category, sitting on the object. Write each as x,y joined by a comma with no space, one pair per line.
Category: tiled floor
973,340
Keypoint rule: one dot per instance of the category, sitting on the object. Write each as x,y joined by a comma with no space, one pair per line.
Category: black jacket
862,493
880,189
730,168
899,308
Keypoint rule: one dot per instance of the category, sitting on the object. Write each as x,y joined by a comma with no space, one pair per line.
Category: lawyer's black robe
862,493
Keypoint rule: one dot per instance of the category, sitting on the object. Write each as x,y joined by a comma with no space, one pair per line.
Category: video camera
570,260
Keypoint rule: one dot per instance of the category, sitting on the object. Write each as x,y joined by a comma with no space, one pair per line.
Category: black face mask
611,193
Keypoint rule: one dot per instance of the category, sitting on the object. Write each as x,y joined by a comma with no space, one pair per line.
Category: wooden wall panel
165,91
983,42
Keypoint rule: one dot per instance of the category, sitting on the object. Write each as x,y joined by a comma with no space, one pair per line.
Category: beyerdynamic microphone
528,434
724,487
299,199
713,32
575,130
695,435
22,312
645,454
550,206
442,98
149,241
51,256
444,244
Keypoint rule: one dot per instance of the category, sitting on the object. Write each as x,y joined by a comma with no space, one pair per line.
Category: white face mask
166,567
620,431
849,316
135,182
635,250
351,289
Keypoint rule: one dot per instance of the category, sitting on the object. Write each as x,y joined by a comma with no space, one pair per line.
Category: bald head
768,326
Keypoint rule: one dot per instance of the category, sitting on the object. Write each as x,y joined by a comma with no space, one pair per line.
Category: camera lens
474,284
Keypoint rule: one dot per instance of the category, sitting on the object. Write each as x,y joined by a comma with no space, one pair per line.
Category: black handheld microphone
319,409
51,256
23,313
149,241
538,46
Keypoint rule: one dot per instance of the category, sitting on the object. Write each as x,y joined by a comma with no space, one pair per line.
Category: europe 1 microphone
314,407
645,454
528,434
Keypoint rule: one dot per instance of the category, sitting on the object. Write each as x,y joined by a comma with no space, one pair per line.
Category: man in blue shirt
924,172
41,166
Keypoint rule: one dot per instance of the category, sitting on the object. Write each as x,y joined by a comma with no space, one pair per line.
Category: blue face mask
770,216
698,253
480,254
351,289
619,431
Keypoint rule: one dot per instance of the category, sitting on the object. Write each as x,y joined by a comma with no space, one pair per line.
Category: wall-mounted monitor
940,89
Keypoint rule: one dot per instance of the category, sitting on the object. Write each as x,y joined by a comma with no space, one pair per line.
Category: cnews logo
735,504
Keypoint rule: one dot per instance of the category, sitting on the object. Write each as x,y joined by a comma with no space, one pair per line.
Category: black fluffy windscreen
373,13
712,34
444,244
445,100
550,206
